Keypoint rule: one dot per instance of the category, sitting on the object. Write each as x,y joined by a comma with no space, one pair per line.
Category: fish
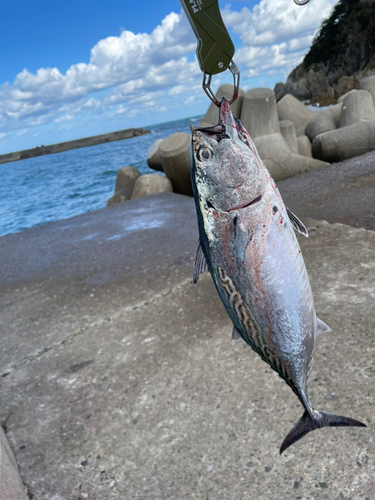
247,242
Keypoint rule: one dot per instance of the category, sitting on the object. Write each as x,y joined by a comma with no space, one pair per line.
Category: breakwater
78,143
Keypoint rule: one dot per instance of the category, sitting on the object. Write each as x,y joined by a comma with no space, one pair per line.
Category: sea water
53,187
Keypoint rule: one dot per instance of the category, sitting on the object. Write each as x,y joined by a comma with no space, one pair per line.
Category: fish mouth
217,132
227,128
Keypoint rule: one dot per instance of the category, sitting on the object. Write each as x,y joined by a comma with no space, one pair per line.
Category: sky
78,68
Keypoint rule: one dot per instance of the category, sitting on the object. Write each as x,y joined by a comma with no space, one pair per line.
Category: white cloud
275,21
276,33
303,43
177,90
121,109
64,118
189,100
135,74
23,131
130,64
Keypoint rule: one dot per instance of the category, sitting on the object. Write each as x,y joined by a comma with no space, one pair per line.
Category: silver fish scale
249,328
245,230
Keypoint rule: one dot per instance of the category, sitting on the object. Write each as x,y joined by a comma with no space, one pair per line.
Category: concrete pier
78,143
119,379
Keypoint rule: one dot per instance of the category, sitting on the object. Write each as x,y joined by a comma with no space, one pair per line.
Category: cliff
341,54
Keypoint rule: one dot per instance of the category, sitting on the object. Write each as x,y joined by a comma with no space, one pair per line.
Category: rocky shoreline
341,55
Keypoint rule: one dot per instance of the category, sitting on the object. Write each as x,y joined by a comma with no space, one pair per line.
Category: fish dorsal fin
296,223
322,327
235,335
200,263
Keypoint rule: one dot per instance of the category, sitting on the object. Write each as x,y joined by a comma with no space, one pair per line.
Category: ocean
61,185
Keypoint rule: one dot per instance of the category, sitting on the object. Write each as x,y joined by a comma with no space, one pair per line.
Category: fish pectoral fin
322,327
200,263
296,223
236,335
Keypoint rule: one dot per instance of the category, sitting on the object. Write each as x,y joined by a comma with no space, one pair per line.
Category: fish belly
284,304
267,294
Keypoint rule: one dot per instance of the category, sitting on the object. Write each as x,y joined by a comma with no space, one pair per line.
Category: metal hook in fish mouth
233,68
301,2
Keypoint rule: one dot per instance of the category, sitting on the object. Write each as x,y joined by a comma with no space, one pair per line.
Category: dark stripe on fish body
235,301
253,334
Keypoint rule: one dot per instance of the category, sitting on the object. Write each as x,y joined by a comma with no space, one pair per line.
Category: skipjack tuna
247,243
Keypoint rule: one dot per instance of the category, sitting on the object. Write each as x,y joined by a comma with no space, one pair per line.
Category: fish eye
204,153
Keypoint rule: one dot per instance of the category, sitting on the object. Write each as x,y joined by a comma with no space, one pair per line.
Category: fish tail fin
308,423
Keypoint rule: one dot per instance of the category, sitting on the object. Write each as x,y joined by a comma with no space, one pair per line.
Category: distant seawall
79,143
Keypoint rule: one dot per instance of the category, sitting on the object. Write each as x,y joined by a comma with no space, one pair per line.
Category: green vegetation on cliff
346,38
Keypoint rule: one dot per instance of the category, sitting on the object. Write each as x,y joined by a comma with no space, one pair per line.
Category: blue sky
73,69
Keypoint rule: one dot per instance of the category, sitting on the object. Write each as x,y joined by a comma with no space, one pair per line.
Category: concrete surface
11,486
125,180
288,131
369,85
120,380
153,156
322,122
342,192
148,184
280,161
304,146
290,108
357,106
345,143
259,114
175,158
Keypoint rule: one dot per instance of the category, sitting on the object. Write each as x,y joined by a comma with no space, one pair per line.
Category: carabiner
233,68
